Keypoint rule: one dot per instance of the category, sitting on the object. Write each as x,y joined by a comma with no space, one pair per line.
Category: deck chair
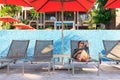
112,48
43,52
74,45
17,50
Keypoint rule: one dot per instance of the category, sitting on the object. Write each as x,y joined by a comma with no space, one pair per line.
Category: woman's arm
76,52
86,47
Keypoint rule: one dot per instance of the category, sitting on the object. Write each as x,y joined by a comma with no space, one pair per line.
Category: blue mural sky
94,38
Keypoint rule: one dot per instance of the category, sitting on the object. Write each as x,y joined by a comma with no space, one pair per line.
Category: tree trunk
112,25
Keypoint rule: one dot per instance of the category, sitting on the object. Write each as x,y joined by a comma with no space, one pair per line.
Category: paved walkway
33,72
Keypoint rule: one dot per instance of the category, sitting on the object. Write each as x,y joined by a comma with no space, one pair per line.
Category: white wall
118,17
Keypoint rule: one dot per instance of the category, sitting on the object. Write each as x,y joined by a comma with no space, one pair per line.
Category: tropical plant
34,15
101,14
10,10
25,21
49,27
68,15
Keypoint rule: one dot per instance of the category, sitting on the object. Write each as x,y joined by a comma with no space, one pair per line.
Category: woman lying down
81,53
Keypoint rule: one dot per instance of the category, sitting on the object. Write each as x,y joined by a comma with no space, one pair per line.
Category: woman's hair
80,42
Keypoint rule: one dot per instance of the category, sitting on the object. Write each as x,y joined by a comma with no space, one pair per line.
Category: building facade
48,19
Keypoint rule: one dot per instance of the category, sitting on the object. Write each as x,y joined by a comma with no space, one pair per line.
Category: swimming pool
94,38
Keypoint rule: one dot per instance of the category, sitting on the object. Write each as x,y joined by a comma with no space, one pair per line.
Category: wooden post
37,26
24,14
74,19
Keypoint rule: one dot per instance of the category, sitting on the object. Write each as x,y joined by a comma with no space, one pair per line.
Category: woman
81,53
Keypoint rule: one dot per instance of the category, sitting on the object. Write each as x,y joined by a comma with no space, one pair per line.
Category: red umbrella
58,5
113,4
16,2
62,5
8,19
23,26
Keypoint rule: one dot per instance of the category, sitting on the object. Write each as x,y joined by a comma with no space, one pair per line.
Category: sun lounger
17,50
43,52
112,49
96,63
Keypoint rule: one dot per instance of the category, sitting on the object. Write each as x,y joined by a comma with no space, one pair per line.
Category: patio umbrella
113,4
62,5
23,26
8,19
16,2
59,5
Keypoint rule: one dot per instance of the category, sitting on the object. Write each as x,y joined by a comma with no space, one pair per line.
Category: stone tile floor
34,72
